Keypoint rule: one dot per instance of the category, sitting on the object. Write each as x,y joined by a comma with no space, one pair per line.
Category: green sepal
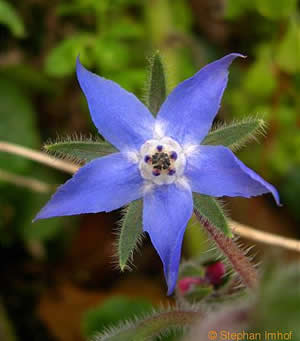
156,87
79,150
191,270
131,231
198,293
210,210
235,134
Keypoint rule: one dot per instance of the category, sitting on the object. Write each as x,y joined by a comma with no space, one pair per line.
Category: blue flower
160,160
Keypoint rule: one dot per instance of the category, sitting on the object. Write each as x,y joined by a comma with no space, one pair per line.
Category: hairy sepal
78,149
155,325
210,209
156,90
130,233
236,134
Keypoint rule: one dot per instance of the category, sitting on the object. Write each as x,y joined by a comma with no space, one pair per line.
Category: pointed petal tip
275,194
170,292
41,216
171,289
227,175
235,55
166,214
171,279
79,66
36,218
189,110
229,58
120,117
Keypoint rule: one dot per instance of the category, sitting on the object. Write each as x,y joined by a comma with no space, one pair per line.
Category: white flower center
162,161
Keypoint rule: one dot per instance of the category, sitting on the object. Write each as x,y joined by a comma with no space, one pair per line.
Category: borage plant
162,160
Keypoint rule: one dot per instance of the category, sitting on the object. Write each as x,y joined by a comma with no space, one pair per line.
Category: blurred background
58,281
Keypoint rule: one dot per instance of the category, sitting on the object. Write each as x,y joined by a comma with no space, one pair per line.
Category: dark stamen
147,158
171,172
161,161
156,172
159,148
173,155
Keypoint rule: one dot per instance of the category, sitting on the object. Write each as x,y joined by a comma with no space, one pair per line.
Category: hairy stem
151,326
234,254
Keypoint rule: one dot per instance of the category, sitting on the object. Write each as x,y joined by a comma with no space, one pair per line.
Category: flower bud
187,283
215,272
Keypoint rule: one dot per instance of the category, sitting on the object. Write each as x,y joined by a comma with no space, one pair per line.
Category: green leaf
80,150
210,209
10,18
236,134
276,9
288,57
18,125
260,80
156,92
111,54
61,60
131,231
127,29
236,8
113,311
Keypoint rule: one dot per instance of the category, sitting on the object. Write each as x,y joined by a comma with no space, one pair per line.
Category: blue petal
166,212
104,184
119,116
216,171
188,112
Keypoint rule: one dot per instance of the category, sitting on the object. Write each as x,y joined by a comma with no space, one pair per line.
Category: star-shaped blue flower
160,160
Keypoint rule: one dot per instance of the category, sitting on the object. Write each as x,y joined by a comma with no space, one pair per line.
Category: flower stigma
162,161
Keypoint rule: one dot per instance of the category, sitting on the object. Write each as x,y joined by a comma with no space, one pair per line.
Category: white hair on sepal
159,130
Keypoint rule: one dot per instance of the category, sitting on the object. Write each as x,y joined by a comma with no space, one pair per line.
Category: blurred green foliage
18,123
274,309
270,84
10,17
113,311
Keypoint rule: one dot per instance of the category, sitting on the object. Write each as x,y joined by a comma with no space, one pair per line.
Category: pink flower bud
187,283
215,272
